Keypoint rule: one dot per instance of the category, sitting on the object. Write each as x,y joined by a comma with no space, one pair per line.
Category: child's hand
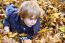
6,30
4,33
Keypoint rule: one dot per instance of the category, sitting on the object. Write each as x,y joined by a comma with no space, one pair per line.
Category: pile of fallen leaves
9,38
52,17
52,24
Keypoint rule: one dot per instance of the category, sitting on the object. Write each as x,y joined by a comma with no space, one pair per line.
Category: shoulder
10,10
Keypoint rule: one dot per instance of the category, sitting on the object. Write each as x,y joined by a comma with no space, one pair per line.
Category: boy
26,20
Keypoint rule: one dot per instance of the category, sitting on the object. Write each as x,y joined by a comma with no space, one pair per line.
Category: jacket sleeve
36,27
9,11
6,22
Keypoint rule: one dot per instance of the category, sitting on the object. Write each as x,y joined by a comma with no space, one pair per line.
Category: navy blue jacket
15,24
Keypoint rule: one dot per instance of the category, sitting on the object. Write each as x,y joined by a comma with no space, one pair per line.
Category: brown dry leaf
43,40
55,15
57,38
27,41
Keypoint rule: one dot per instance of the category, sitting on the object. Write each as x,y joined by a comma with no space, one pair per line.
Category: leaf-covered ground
52,28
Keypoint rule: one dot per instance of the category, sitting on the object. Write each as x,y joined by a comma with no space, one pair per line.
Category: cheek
30,22
34,21
26,21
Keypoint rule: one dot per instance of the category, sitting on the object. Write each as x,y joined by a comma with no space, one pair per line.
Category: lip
30,25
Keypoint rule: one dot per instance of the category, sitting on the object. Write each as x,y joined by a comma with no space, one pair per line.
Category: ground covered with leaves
52,28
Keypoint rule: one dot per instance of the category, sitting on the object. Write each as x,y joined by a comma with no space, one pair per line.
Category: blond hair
29,9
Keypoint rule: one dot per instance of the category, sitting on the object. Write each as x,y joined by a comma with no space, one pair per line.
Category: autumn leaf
62,28
10,34
42,30
23,34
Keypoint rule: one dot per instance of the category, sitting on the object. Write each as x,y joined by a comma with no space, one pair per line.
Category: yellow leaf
64,36
0,1
12,34
42,30
62,28
56,15
23,34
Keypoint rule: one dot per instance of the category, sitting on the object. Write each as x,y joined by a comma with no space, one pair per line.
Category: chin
29,26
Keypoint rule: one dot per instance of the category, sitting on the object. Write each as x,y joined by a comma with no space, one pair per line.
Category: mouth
29,25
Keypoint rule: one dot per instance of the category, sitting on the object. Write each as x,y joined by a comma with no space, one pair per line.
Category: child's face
30,21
